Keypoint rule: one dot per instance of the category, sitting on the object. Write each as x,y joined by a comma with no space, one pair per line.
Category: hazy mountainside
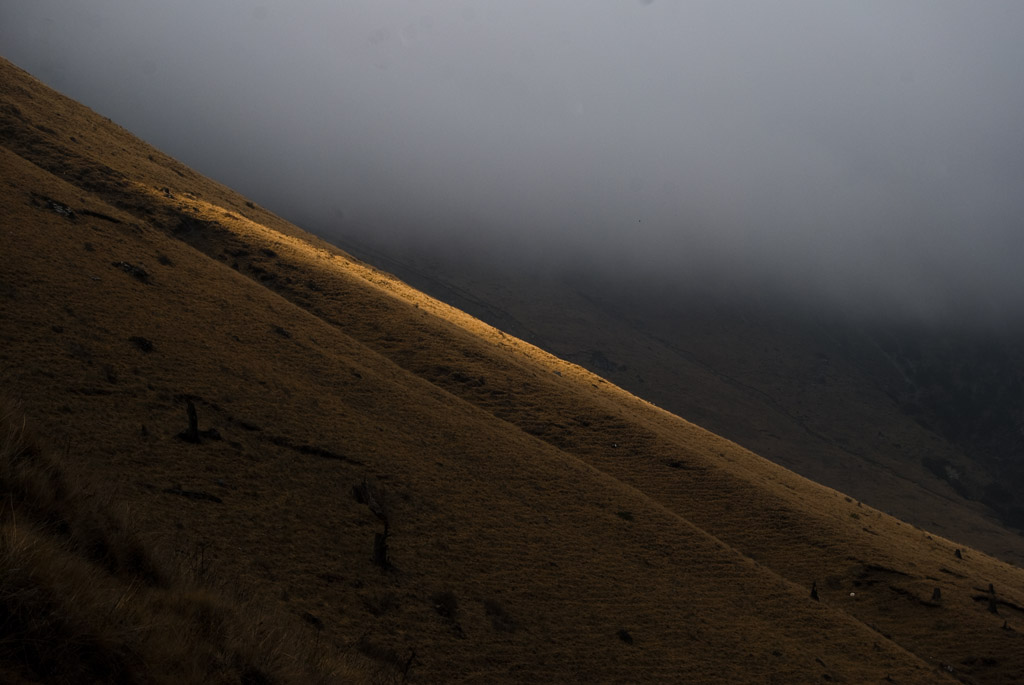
407,484
970,390
924,422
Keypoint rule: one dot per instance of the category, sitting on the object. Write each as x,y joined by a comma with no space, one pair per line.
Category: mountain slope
845,402
539,522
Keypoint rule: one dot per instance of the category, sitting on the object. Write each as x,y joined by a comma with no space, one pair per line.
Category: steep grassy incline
804,532
550,563
541,523
817,392
546,574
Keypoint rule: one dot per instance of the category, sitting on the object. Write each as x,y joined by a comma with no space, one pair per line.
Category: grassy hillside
920,422
86,598
401,483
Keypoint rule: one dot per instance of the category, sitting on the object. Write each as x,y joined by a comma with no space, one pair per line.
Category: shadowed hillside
87,599
410,486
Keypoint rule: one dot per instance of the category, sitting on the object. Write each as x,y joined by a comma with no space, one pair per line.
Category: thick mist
867,154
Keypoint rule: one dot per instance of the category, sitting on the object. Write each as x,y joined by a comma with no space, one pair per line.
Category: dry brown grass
82,599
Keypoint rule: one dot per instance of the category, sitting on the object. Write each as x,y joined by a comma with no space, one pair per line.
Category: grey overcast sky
868,151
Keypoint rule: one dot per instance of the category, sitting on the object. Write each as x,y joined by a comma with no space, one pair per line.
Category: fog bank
866,154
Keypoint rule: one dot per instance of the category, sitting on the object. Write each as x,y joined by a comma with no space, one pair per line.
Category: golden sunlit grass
542,524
